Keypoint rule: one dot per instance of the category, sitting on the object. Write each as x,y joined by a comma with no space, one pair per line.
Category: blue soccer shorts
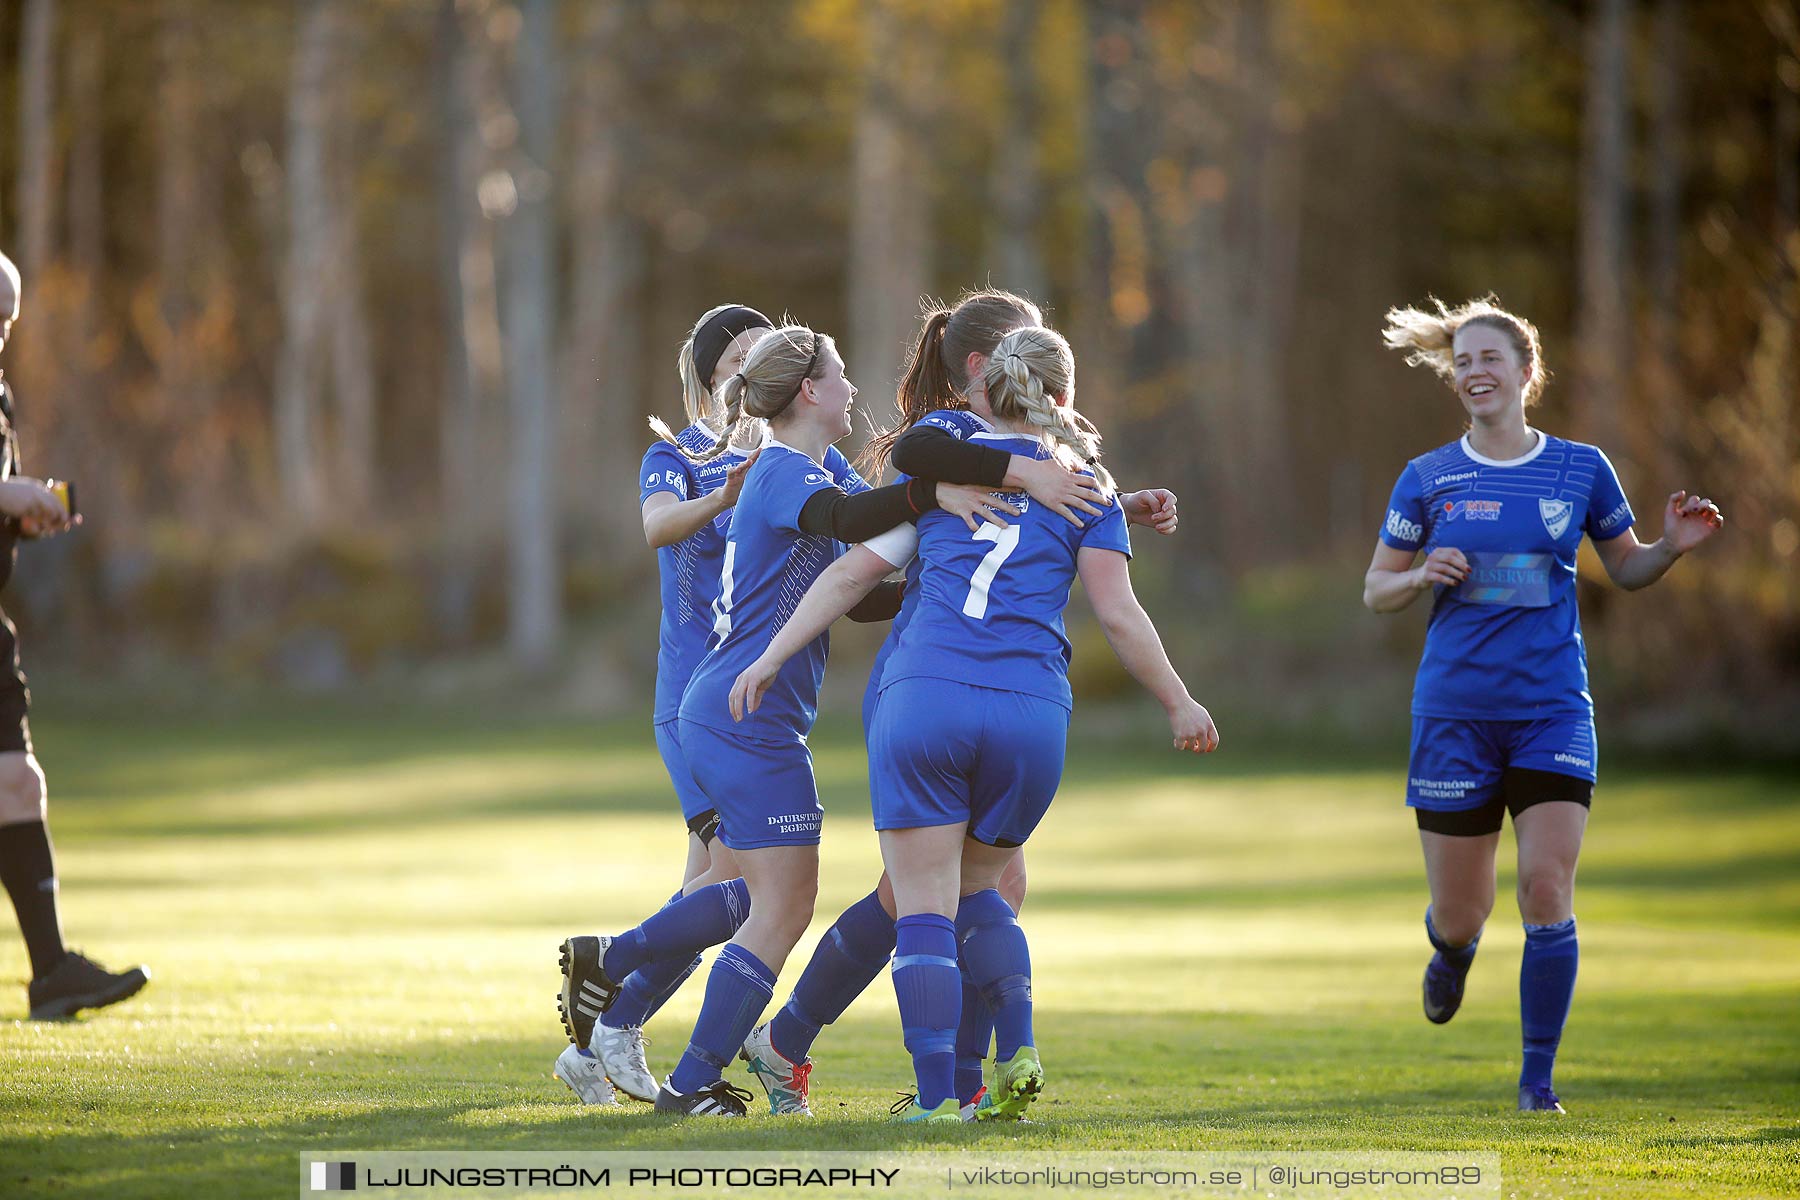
695,807
764,790
942,752
1464,775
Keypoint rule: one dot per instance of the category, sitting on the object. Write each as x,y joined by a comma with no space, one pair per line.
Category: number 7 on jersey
1006,540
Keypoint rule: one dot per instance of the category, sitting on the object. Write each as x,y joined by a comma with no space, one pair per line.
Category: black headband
717,333
804,376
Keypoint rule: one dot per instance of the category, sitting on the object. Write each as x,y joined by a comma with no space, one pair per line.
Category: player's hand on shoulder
1063,491
1193,727
1154,507
34,505
748,689
734,478
1689,520
974,504
1445,565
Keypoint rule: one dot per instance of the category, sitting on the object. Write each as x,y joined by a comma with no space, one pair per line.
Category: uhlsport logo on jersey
816,477
1556,514
1401,528
334,1177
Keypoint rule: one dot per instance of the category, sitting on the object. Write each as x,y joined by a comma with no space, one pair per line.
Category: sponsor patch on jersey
1401,529
1511,580
817,477
1615,516
672,479
1472,510
1456,478
1556,514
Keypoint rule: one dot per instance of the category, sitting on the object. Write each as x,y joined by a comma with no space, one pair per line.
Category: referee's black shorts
15,699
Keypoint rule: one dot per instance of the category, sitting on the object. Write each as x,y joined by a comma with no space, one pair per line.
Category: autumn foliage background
346,316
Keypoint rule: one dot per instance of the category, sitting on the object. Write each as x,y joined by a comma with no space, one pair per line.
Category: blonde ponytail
1428,339
764,387
936,370
1026,373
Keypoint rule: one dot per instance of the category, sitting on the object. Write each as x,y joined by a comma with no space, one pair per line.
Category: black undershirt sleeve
830,513
881,604
932,453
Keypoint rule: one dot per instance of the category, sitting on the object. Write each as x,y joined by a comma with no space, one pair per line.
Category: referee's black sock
28,870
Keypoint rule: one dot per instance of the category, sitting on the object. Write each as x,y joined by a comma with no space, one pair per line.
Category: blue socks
847,960
998,962
929,988
681,928
1458,957
647,988
974,1036
737,991
1546,986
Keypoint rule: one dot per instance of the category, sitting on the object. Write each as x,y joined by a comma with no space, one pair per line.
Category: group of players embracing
765,535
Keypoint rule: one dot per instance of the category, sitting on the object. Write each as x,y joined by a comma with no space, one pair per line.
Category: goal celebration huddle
766,535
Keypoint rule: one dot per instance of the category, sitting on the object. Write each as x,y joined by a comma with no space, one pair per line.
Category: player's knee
1460,922
790,911
1545,895
21,789
1012,883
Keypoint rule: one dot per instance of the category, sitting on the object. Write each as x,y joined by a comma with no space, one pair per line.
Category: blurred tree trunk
303,276
1784,21
352,367
1601,333
1264,237
528,319
37,133
472,368
890,251
188,272
1018,187
1662,384
603,377
87,205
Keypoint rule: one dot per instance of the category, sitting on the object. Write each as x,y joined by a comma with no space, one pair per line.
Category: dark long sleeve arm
882,604
928,452
830,513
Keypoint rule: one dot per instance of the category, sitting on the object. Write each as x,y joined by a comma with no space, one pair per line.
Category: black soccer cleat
717,1099
1443,989
587,989
78,982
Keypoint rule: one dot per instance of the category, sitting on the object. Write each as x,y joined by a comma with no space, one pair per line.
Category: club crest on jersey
1556,514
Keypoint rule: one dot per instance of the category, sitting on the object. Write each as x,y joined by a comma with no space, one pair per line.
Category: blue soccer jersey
1506,644
991,602
768,566
962,425
690,567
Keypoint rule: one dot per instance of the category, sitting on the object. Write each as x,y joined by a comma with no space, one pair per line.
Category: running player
1502,718
685,511
800,501
943,403
968,738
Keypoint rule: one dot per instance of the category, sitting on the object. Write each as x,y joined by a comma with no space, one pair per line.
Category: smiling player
1502,718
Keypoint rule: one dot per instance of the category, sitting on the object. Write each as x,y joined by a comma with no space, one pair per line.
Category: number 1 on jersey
1006,540
722,606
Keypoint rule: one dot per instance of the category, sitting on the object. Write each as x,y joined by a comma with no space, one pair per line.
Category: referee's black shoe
587,989
78,982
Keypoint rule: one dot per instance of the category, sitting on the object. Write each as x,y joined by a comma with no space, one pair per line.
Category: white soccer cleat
621,1054
784,1081
585,1077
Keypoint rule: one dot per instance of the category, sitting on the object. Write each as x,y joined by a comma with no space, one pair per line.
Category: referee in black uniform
63,981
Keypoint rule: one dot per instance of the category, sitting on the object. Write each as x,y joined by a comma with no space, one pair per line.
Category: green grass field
353,923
